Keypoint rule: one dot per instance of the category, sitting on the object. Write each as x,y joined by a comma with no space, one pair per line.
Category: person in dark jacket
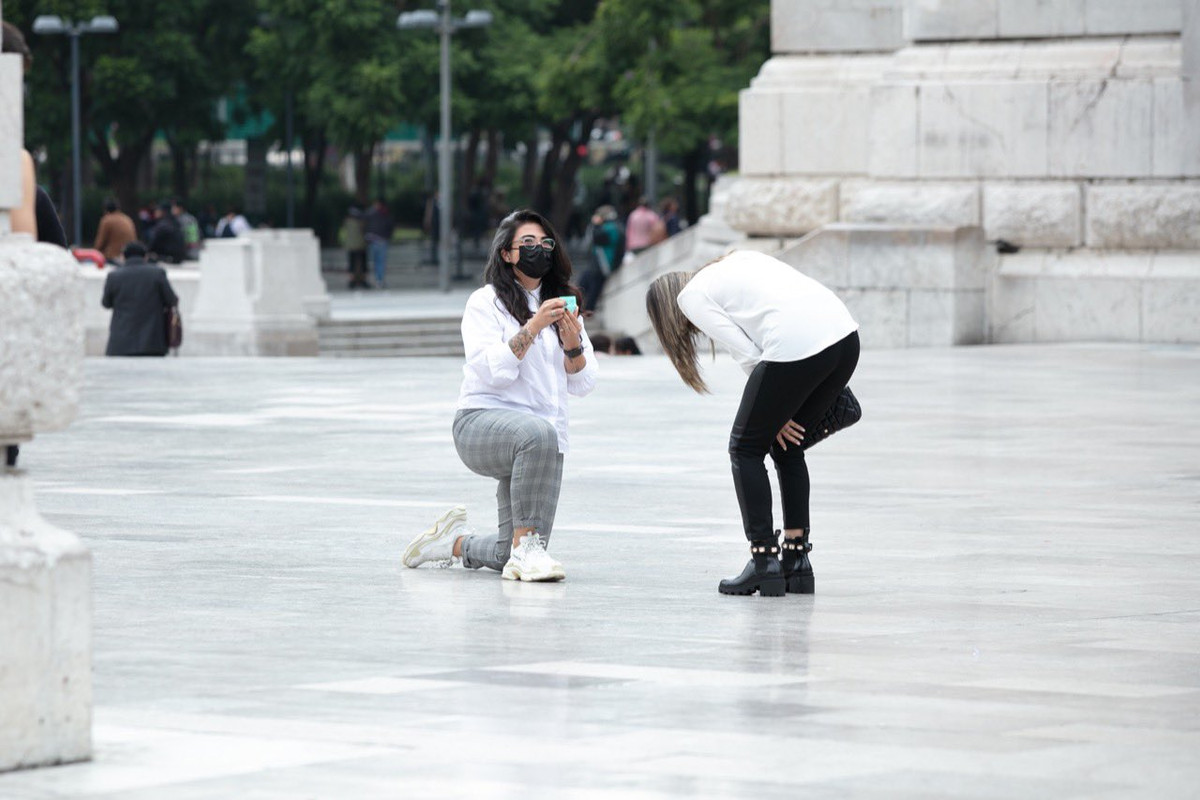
166,239
378,227
138,294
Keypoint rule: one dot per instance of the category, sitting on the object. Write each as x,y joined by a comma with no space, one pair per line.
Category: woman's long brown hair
675,331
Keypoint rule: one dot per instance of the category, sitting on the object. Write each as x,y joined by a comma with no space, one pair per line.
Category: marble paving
1007,596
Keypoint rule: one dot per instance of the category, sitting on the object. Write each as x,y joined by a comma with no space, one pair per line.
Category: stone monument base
1095,296
907,286
45,631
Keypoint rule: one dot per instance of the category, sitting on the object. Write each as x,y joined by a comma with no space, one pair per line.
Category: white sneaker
437,543
529,561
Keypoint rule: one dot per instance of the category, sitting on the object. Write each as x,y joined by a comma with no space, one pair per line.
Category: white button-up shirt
537,384
761,309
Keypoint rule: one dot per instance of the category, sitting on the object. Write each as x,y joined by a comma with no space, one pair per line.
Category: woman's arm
523,340
581,369
24,216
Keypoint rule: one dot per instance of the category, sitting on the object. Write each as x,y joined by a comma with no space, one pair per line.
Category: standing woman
799,345
525,353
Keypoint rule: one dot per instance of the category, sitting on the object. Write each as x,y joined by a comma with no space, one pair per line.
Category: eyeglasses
531,241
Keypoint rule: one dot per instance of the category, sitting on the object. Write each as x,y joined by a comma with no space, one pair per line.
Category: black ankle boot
797,569
762,573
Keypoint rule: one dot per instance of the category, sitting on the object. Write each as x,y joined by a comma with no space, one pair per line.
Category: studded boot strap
800,545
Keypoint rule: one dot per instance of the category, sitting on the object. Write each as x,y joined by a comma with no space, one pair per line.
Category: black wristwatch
574,352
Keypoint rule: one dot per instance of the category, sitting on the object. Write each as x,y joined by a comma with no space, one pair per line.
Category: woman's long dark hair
499,273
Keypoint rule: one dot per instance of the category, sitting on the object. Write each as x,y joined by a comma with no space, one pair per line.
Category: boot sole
772,587
801,584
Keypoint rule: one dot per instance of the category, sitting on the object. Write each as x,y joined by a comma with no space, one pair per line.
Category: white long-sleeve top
537,384
761,309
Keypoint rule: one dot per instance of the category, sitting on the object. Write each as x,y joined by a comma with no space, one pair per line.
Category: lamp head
49,24
477,19
423,18
102,24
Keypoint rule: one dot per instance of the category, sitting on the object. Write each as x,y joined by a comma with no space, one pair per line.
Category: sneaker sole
514,574
413,551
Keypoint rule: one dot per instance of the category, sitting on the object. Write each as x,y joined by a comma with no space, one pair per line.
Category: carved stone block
912,203
1126,216
781,206
1102,128
1034,214
821,26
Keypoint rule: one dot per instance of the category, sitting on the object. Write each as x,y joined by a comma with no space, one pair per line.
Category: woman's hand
791,432
570,329
549,313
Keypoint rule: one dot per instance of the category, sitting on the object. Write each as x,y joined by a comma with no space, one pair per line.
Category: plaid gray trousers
521,452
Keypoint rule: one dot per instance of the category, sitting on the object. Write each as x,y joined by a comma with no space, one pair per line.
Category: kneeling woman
526,351
799,345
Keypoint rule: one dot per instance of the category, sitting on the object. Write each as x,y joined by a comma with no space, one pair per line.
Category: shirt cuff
581,383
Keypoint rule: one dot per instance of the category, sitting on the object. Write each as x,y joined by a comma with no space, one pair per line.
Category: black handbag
174,325
845,412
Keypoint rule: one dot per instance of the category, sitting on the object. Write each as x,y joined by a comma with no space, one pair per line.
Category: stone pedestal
259,295
45,627
1095,295
45,573
907,287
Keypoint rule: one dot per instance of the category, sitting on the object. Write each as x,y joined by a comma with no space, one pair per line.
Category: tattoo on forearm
520,343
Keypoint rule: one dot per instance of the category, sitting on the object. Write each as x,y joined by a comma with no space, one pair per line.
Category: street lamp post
270,21
444,25
57,25
291,202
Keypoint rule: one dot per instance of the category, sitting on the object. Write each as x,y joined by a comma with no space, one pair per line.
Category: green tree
686,61
346,67
161,73
538,69
671,66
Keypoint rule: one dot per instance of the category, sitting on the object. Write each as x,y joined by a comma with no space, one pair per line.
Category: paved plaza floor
1006,551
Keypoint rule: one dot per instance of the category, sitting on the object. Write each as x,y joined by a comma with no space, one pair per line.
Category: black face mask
534,262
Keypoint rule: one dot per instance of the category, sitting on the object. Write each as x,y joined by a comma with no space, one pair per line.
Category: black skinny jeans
776,392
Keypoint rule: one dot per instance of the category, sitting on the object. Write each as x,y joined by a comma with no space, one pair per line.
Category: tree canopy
544,67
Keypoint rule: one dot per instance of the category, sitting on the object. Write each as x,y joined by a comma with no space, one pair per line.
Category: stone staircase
390,337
